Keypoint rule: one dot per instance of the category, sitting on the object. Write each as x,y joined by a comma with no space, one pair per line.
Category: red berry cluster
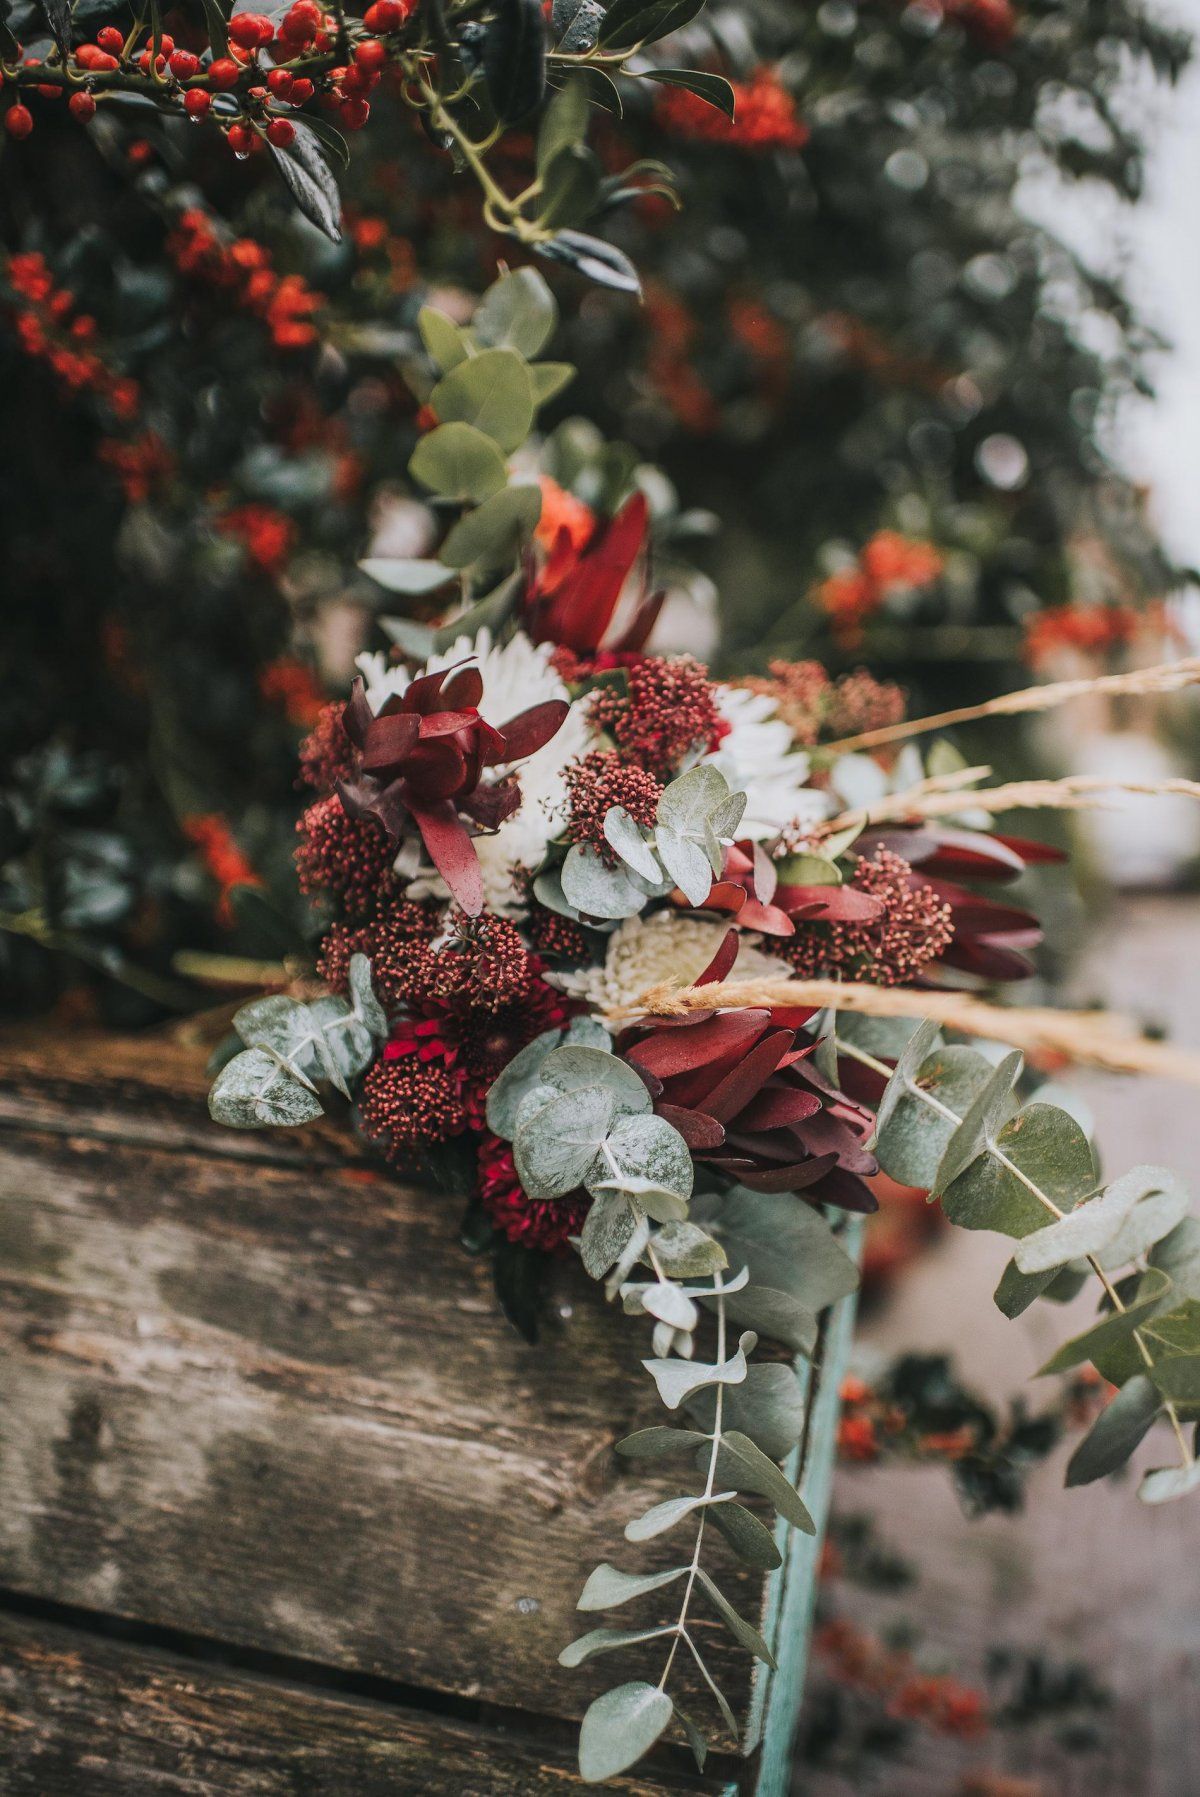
893,947
764,116
242,268
603,779
667,711
141,464
816,708
940,1702
268,536
1097,631
223,859
49,329
305,36
888,561
292,685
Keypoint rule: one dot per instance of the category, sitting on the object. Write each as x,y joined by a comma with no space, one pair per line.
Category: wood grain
273,1402
96,1718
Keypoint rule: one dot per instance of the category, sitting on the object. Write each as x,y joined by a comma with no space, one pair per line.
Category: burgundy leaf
446,723
424,694
830,904
722,962
464,690
669,1052
776,1107
634,639
435,770
452,853
744,1080
579,615
490,805
1031,851
389,740
531,730
357,716
768,920
698,1130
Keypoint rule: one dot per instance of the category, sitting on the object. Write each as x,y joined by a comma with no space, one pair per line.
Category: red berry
371,55
183,64
224,73
281,132
302,90
110,39
250,29
196,102
82,107
354,114
91,57
385,15
166,44
18,121
281,82
240,139
306,13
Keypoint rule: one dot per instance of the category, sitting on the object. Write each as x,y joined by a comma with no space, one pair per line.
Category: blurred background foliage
868,398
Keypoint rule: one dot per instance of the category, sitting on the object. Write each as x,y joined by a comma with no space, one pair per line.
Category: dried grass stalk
1170,677
1091,1038
945,795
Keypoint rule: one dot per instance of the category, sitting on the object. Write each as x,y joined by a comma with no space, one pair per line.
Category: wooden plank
98,1718
276,1405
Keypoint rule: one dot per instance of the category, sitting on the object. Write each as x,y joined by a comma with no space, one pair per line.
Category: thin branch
943,796
1169,677
1092,1038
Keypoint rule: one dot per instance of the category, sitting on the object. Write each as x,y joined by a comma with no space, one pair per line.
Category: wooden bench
285,1505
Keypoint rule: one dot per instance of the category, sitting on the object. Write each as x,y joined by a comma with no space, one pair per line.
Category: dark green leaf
713,88
1111,1330
741,1464
1049,1148
591,256
1115,1432
514,59
743,1632
629,22
747,1537
310,180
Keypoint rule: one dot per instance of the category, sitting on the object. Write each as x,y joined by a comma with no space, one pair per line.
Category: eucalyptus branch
991,1149
709,1488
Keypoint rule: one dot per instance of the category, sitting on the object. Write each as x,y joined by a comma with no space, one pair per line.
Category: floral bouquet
652,968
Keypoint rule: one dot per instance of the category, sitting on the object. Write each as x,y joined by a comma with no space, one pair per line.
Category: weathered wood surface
87,1717
256,1391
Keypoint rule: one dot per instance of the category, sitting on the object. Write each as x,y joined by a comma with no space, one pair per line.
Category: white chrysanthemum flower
516,676
667,945
757,757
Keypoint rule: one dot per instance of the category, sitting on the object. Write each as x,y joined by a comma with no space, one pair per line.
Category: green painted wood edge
792,1590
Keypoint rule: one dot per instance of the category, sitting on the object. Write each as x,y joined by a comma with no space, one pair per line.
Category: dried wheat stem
1092,1038
1170,677
937,797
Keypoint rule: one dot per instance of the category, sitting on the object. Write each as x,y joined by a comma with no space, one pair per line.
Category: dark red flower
572,600
740,1088
422,759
